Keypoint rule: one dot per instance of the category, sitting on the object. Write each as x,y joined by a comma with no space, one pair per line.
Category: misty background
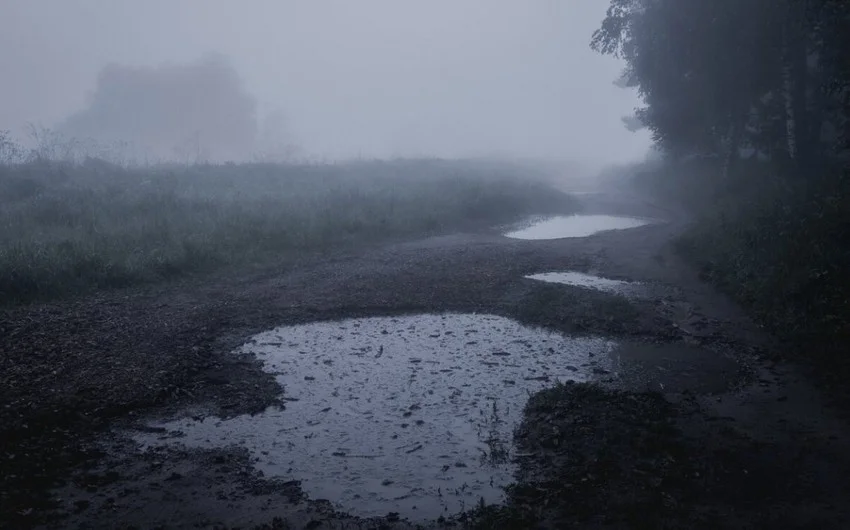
331,79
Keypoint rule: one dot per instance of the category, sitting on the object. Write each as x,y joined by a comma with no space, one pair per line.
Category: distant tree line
768,78
193,111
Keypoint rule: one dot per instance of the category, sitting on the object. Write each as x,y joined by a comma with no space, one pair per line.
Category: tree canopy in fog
717,77
193,112
372,78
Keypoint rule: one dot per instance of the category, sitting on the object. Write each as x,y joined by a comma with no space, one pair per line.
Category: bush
779,244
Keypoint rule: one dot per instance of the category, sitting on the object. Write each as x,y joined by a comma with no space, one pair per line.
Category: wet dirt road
735,412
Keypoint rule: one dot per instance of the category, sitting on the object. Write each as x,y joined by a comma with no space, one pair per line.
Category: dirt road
700,425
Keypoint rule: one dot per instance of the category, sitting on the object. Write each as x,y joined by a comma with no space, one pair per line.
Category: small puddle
573,226
413,414
579,279
675,367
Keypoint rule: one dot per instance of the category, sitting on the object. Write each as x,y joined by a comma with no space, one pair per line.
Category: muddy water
580,279
573,226
413,415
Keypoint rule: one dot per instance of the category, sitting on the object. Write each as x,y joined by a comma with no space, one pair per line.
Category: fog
327,79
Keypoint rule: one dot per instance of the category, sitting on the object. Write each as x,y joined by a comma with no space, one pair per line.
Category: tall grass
67,229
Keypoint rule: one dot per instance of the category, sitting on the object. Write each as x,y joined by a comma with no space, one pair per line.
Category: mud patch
594,456
611,459
589,281
573,226
413,415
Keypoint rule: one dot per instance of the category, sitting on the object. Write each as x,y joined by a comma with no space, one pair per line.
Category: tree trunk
796,86
732,150
818,101
801,106
790,124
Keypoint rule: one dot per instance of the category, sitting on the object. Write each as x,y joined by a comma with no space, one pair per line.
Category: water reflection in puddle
589,281
574,226
412,414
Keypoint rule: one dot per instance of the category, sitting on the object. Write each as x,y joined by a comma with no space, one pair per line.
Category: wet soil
680,439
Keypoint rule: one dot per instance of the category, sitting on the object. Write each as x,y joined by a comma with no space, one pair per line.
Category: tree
194,111
721,75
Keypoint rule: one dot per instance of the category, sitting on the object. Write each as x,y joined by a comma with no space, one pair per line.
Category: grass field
70,229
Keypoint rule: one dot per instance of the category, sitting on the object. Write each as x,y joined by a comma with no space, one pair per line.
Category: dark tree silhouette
194,112
719,76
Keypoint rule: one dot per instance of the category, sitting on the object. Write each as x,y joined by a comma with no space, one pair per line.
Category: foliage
777,244
782,249
729,74
67,228
769,79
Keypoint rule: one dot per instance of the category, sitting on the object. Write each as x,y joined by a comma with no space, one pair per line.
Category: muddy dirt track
703,427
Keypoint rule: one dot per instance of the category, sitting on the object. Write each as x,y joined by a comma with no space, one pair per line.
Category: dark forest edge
748,103
75,228
776,243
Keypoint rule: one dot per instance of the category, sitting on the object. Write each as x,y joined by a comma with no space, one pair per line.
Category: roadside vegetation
71,228
780,245
597,458
749,107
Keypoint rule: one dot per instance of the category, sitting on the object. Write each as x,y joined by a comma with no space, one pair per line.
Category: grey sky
369,77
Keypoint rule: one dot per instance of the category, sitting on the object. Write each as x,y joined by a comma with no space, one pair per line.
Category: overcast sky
354,77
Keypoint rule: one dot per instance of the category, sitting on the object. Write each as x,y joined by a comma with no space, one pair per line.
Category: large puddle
413,415
573,226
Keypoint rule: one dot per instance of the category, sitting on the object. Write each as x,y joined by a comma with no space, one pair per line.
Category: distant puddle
589,281
574,226
412,414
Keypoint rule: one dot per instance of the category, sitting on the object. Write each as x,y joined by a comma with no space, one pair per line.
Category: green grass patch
95,226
